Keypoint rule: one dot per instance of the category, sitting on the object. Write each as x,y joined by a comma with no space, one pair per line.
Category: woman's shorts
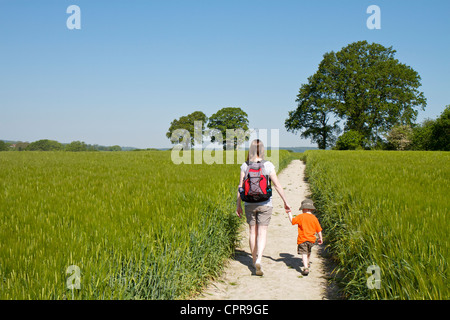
257,214
305,247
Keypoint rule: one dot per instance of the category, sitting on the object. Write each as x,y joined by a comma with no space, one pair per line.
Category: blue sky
136,65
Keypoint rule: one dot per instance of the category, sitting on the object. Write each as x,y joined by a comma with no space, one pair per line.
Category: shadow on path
288,259
296,262
246,259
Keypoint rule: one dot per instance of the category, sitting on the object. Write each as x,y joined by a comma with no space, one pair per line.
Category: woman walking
258,214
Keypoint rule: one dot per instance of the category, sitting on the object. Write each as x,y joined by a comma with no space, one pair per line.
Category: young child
308,226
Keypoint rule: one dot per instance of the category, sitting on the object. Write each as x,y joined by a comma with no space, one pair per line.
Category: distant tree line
52,145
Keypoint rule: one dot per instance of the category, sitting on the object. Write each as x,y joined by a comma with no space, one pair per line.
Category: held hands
287,207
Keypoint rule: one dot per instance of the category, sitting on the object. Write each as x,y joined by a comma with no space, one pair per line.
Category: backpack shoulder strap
269,181
248,168
262,166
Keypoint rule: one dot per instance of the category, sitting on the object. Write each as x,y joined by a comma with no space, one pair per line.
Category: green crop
135,224
385,209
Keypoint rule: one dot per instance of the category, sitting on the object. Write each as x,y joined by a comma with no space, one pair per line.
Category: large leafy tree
184,127
365,86
313,114
232,119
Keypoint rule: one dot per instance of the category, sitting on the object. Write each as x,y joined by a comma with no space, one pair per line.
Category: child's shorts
305,247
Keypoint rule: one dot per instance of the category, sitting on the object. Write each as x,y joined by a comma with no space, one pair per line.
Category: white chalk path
282,278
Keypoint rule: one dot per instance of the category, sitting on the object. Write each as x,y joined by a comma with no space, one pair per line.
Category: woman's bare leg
257,242
252,239
261,241
260,245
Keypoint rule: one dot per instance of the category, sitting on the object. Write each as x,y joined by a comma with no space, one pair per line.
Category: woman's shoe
259,271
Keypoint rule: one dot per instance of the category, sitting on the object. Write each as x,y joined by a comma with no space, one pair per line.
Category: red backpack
257,186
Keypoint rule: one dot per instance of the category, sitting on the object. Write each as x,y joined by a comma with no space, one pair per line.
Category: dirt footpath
282,278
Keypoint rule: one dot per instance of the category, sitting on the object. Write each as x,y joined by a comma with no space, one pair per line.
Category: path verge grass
137,225
388,210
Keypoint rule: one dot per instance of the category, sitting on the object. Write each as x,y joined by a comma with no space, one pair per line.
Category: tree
365,86
3,146
233,119
313,114
115,148
184,127
45,145
21,146
433,134
422,133
400,137
441,131
76,146
374,91
350,140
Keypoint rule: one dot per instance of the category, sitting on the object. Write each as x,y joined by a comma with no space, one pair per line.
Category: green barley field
389,210
140,227
136,225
